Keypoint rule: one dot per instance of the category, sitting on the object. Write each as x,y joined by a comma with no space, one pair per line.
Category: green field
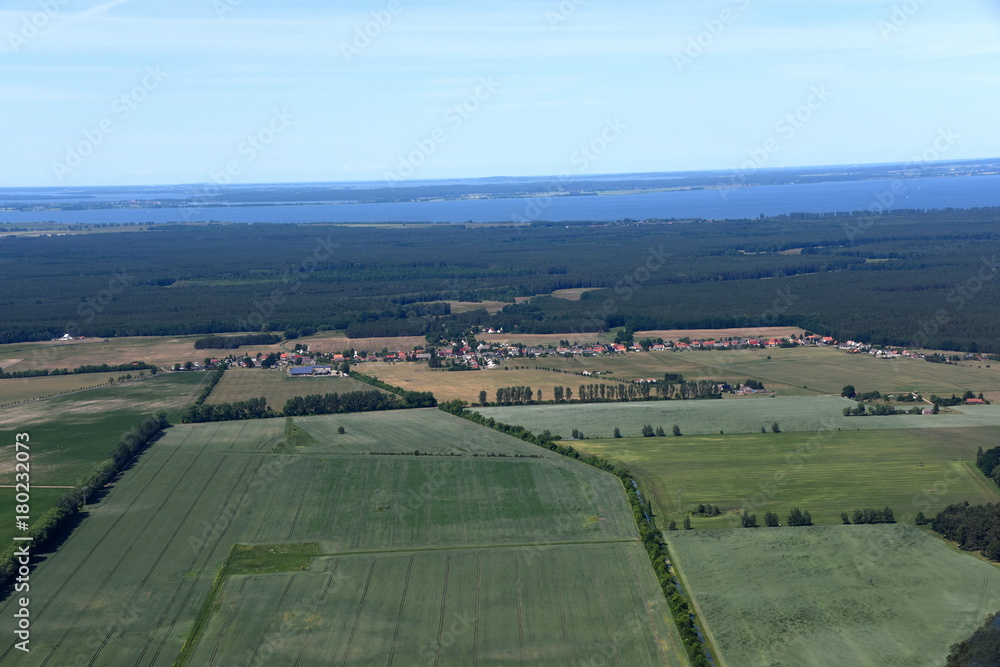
13,390
277,386
398,431
790,371
128,586
71,435
459,607
837,596
826,473
735,415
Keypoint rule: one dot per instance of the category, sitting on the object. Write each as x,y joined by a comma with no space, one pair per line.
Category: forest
910,278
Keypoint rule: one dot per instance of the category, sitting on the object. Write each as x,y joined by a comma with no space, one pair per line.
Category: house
297,371
975,401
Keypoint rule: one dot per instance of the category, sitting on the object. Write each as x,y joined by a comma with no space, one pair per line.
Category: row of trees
870,515
234,342
55,522
90,368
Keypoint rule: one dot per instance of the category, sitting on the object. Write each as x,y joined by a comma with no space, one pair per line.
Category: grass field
163,351
825,473
399,431
847,596
277,386
466,385
736,415
394,536
14,390
71,434
804,371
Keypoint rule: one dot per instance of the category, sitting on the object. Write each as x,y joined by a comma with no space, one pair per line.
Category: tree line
88,368
234,342
57,521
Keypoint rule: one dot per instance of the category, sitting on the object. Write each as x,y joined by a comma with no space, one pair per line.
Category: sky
132,92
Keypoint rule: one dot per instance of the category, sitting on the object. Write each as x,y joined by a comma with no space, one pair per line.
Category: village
469,354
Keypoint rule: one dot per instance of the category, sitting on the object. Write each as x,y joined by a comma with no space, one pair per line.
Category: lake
747,202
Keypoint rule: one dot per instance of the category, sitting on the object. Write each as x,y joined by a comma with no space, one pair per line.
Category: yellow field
24,389
277,386
466,385
163,351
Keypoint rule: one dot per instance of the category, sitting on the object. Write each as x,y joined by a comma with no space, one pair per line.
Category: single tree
618,432
770,519
775,428
687,523
660,432
677,429
482,397
921,520
672,525
340,429
848,391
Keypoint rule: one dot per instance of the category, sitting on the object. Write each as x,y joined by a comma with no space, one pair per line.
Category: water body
748,202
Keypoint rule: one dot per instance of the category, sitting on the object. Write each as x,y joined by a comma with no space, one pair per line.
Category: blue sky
191,91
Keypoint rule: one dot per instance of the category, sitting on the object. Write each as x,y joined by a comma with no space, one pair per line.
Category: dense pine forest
906,278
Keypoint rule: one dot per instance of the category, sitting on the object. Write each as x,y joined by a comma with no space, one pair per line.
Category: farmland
277,386
466,385
838,596
467,537
71,434
737,415
14,390
399,431
162,351
826,473
469,606
792,371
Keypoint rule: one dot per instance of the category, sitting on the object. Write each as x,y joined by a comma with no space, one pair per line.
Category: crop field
14,390
736,415
541,554
461,607
71,434
826,473
163,351
838,596
466,385
398,431
803,371
277,386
